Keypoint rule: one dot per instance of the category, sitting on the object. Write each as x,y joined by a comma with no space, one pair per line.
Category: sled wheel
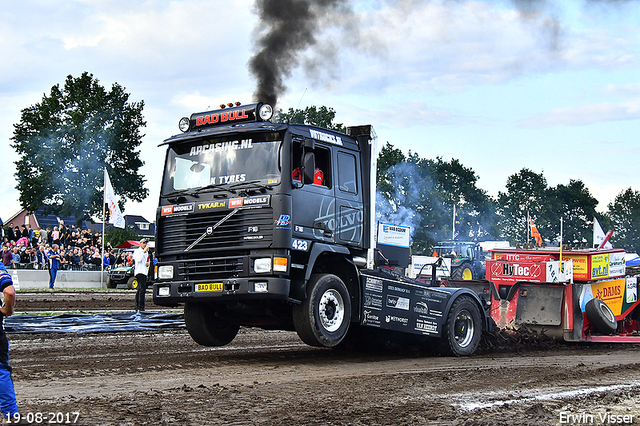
601,316
206,327
323,317
463,330
132,283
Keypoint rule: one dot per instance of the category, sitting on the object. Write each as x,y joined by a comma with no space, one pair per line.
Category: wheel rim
467,275
134,284
608,313
463,329
331,309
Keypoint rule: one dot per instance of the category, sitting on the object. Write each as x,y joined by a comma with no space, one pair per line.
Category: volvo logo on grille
210,229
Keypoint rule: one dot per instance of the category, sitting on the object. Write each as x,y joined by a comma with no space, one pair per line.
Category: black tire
462,272
463,330
110,283
206,327
601,316
132,283
323,318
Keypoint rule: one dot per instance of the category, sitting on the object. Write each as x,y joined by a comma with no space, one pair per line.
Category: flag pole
104,218
453,234
561,267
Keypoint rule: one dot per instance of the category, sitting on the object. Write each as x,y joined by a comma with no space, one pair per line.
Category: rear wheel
323,318
206,327
462,273
601,316
463,330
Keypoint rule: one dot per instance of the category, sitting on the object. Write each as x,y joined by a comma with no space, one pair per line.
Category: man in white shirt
140,268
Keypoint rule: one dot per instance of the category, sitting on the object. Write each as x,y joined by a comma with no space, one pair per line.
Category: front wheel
132,283
323,318
205,325
463,330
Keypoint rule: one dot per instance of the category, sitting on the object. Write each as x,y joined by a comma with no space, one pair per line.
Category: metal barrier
32,279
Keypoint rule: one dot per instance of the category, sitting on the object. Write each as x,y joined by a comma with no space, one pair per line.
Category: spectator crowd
79,249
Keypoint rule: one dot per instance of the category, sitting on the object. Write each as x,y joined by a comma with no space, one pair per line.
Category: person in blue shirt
54,260
8,404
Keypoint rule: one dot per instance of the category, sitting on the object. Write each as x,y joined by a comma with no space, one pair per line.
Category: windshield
222,161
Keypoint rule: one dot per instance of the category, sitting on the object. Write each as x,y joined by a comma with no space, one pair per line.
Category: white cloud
628,90
607,193
585,115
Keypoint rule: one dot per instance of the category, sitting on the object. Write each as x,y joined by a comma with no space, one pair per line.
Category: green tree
116,236
65,141
624,213
421,193
475,211
311,116
526,195
387,158
577,207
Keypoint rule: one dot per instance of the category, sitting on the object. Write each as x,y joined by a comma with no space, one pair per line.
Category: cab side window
318,162
347,173
322,173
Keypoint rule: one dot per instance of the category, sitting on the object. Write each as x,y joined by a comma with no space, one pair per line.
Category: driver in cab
318,176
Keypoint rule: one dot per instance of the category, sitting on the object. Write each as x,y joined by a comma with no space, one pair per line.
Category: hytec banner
115,214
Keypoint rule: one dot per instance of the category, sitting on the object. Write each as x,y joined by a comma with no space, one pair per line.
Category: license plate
209,287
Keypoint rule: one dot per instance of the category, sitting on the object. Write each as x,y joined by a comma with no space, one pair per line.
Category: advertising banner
400,306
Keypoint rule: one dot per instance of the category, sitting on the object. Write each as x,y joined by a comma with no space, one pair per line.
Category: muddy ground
272,378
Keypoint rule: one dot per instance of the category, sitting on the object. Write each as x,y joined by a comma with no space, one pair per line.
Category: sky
499,85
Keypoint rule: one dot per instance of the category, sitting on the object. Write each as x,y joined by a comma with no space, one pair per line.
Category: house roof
53,220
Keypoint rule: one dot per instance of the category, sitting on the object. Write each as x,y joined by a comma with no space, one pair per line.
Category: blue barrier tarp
79,323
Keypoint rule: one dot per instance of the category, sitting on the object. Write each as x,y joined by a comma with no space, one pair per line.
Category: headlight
265,112
262,265
183,124
165,272
164,291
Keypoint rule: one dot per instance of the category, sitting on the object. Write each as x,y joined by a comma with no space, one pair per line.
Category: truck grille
247,229
222,254
216,268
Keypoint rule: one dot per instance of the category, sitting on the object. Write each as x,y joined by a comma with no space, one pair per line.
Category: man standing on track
140,258
54,259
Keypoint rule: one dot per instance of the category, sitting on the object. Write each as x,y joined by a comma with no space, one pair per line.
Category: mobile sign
394,235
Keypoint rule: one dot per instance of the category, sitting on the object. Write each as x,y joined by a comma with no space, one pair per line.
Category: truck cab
244,223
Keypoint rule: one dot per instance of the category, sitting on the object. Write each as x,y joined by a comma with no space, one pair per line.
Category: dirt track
271,378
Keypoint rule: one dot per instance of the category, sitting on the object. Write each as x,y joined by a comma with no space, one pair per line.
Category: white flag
110,199
599,235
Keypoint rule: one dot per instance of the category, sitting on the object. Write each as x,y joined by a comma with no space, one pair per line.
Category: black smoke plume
287,28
